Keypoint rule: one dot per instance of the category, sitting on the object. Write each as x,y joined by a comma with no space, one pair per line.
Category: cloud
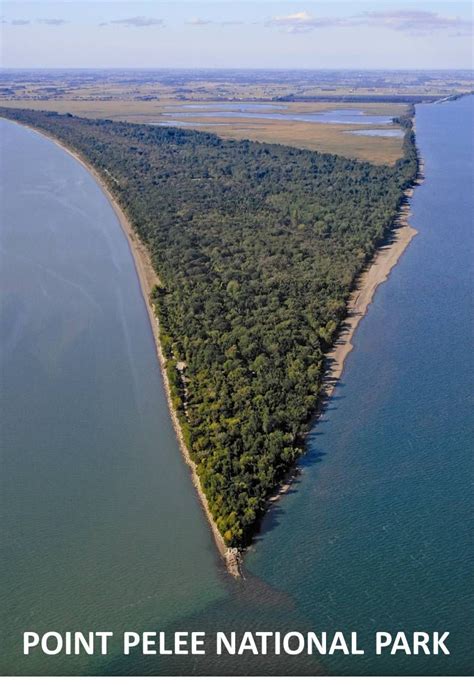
418,22
304,21
414,22
53,22
196,21
136,22
25,22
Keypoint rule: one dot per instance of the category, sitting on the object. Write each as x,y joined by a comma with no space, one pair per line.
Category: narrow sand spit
376,273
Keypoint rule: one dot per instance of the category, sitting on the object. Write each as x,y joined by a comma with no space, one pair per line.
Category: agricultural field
221,102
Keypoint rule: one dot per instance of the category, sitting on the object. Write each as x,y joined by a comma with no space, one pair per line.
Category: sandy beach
376,273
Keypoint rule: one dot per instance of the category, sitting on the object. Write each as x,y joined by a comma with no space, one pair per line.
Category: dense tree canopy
257,247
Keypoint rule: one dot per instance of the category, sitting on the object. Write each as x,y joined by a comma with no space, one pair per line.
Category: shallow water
191,124
240,107
379,132
335,116
101,527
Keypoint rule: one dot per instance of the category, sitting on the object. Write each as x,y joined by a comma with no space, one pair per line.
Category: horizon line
191,68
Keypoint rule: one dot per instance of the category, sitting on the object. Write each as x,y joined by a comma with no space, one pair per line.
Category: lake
272,112
101,528
383,133
333,116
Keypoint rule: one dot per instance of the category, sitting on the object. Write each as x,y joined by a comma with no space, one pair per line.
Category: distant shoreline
376,272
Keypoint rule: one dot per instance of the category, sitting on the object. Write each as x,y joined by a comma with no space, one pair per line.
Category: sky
336,34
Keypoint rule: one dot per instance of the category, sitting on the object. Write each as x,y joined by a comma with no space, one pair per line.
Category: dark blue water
381,522
102,527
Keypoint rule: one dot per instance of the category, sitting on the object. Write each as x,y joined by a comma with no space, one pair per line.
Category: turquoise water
100,525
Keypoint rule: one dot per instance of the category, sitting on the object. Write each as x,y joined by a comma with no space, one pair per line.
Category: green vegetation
405,120
257,247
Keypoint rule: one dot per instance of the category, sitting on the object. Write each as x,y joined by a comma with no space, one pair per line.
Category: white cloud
304,21
197,21
414,22
418,21
26,22
293,22
137,22
52,22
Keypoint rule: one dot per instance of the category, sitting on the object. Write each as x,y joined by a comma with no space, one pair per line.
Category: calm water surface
333,116
264,111
100,525
383,133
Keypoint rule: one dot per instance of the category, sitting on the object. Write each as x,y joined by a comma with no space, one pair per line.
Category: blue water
99,519
381,521
236,106
335,116
383,133
101,526
191,124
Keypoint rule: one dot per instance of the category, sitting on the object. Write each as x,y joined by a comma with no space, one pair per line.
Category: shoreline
375,273
148,278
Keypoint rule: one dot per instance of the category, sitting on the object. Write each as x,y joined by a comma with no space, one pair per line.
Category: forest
257,247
